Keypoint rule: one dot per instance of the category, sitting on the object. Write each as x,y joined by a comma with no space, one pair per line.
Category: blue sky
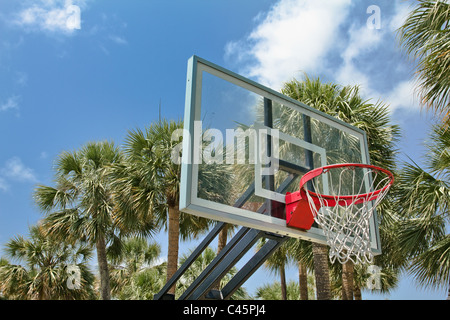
83,70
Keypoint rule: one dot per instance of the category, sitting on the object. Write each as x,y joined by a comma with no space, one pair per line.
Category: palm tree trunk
221,243
105,288
283,283
41,294
321,271
347,281
172,252
223,235
303,281
357,293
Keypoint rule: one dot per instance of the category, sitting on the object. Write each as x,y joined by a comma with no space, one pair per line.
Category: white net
344,211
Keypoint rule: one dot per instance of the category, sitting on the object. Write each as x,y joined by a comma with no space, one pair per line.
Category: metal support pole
197,252
251,266
214,264
201,247
232,257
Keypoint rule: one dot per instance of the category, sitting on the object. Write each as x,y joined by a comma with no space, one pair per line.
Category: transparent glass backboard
245,146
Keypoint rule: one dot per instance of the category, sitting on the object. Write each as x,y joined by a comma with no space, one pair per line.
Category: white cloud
292,37
12,103
15,170
21,78
349,74
43,155
3,184
404,96
402,10
361,40
330,39
63,16
118,40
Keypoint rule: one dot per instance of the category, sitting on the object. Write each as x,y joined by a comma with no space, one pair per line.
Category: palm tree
82,204
277,264
424,192
424,202
44,269
378,278
346,104
301,252
273,291
134,268
150,181
425,36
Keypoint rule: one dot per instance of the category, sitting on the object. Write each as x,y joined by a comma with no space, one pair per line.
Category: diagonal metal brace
210,276
252,265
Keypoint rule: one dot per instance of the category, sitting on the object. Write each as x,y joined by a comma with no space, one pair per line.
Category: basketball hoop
341,198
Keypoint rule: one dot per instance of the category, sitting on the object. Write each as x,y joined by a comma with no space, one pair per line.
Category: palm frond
426,37
432,267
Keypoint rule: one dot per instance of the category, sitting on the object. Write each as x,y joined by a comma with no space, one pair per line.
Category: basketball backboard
246,145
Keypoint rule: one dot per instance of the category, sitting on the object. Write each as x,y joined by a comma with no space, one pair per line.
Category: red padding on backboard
298,212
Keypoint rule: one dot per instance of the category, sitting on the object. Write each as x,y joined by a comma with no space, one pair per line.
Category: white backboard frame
192,204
